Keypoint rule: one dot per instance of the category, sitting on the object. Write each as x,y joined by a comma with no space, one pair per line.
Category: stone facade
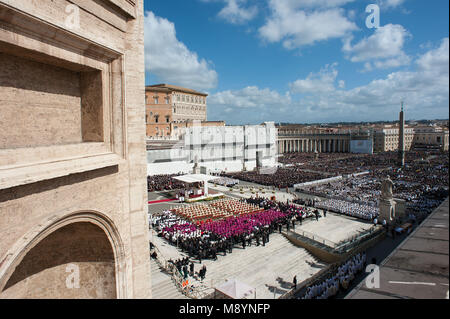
308,140
72,150
168,107
217,148
387,138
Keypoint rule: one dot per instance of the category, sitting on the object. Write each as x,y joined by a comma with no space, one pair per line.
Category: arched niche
78,256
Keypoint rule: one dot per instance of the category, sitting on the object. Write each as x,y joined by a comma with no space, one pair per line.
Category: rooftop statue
386,188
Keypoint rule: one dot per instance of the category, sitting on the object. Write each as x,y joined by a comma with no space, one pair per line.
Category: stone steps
163,286
261,266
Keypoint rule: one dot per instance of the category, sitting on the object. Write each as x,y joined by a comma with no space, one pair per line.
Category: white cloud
297,23
320,82
391,3
434,61
234,12
425,91
296,4
170,60
399,61
249,97
383,49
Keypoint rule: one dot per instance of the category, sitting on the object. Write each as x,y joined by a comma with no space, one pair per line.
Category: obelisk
401,140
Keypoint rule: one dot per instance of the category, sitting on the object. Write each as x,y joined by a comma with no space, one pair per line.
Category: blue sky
303,61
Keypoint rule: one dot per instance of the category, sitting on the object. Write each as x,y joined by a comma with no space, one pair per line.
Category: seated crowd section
422,183
364,212
281,178
338,280
217,209
163,182
212,234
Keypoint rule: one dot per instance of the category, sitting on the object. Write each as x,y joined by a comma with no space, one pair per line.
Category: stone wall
72,150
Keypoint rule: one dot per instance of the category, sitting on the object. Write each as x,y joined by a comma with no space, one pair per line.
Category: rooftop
418,268
170,88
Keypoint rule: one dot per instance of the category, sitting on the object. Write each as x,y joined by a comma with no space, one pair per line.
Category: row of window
156,100
194,108
190,98
156,117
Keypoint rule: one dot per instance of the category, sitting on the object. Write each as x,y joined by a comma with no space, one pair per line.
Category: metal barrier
316,238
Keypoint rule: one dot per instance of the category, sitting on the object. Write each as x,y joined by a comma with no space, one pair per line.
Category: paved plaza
334,227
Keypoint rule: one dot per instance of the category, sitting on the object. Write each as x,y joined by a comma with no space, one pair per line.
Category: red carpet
162,201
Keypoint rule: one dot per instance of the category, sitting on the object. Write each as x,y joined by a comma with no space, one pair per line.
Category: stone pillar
387,210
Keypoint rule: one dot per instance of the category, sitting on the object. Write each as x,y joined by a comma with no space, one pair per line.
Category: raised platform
334,228
204,198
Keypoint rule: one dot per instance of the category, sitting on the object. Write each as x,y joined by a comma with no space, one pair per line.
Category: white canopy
235,289
194,178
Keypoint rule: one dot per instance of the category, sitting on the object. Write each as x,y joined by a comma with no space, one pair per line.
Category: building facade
295,138
386,138
217,148
425,136
73,198
169,104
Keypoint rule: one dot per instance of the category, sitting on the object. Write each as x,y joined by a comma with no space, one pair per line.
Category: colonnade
320,145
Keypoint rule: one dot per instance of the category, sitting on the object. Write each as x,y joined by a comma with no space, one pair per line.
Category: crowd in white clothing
173,228
225,181
350,209
341,278
360,188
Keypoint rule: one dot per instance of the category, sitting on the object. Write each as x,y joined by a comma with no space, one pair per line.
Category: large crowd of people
210,237
365,188
281,178
205,230
360,211
163,182
422,182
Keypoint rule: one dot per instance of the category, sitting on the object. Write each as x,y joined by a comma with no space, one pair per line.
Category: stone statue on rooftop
386,188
